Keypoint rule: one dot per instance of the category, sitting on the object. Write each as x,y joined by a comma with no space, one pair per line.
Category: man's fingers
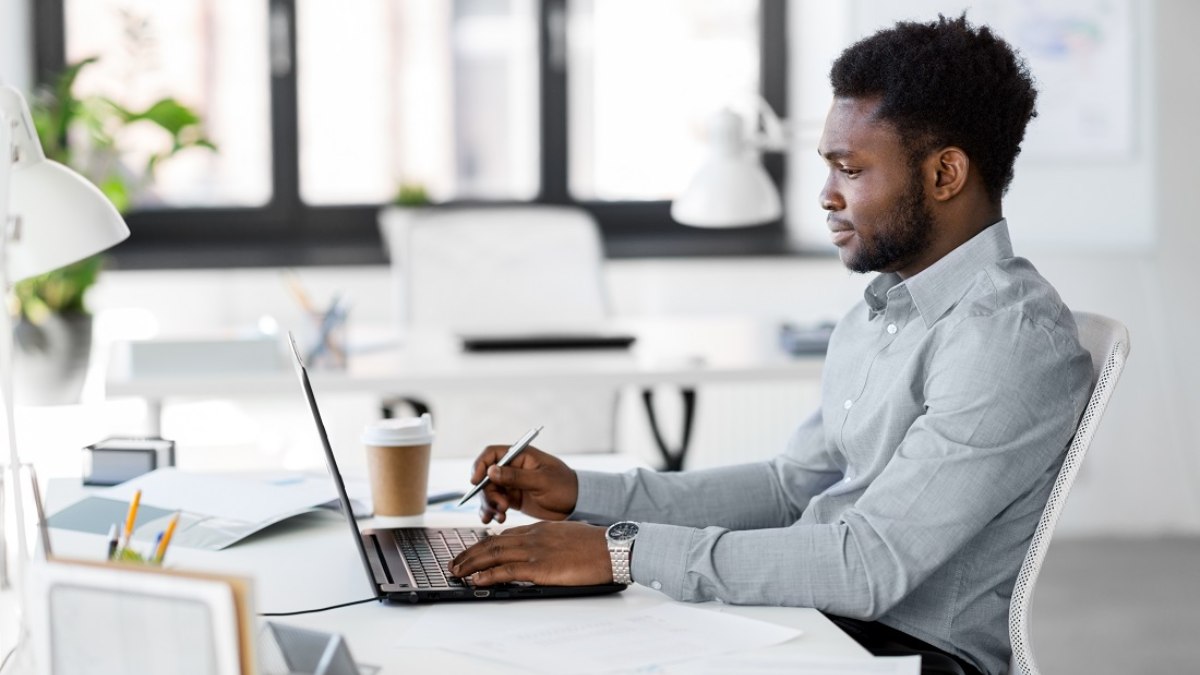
512,477
490,455
496,497
488,553
502,574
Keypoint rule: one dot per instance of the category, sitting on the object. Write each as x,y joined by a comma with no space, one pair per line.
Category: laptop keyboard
428,553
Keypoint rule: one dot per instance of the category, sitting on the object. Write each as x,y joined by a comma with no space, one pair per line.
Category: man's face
878,217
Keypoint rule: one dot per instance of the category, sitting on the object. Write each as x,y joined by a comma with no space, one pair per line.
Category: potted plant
53,326
394,220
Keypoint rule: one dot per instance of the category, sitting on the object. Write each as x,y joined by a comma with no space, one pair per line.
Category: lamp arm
26,147
773,135
13,468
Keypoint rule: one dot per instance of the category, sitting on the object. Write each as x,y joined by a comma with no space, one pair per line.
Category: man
903,507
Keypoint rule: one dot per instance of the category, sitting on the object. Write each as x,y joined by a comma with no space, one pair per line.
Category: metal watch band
620,564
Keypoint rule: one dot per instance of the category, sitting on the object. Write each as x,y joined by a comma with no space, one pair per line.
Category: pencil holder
328,342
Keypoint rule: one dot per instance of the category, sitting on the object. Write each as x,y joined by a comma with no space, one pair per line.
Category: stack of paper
218,510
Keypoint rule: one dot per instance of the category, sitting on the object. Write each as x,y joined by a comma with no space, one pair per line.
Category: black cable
321,609
9,656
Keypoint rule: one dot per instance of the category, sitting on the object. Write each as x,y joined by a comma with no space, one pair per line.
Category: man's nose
830,199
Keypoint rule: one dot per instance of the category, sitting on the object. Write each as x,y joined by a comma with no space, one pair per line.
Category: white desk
685,352
310,562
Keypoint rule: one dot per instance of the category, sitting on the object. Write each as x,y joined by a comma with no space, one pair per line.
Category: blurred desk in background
685,352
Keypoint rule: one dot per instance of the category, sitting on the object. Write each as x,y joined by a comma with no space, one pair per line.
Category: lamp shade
731,189
59,216
62,218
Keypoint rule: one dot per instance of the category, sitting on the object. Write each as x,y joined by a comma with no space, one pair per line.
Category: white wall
1143,476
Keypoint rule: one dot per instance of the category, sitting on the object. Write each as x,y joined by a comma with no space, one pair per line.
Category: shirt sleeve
1002,399
781,489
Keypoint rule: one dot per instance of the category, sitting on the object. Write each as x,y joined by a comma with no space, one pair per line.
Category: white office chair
1108,343
506,269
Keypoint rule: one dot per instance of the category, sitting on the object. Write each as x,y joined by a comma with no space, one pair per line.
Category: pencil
166,539
298,292
152,554
132,517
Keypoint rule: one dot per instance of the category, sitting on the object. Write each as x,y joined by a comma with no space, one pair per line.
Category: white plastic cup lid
399,432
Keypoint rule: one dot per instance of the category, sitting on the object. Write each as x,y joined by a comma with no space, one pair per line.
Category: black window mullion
50,39
285,136
552,67
774,61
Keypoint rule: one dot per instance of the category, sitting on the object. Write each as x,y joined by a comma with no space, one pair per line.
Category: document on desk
596,641
790,664
218,510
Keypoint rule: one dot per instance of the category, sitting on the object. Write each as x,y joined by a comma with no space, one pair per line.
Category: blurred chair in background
505,269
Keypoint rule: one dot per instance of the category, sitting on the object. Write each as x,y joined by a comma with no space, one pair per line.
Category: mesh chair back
1108,343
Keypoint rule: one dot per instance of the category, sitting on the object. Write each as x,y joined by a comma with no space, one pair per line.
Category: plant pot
395,223
50,361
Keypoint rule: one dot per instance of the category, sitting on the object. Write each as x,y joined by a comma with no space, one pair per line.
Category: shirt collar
936,288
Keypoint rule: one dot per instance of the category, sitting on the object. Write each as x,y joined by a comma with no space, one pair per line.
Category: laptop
409,564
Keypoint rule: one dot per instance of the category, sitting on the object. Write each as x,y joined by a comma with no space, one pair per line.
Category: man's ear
949,168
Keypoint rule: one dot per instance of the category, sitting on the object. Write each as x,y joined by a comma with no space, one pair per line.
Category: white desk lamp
50,216
732,189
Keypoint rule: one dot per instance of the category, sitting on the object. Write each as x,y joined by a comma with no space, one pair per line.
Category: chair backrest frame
503,267
1107,341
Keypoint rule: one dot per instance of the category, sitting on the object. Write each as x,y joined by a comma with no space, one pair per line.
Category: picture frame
90,618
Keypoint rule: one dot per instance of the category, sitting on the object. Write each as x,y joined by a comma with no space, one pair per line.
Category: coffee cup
398,463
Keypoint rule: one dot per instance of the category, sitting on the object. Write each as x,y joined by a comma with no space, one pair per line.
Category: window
322,110
641,92
443,94
211,57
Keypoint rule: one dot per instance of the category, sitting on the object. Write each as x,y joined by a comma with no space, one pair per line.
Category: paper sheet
224,496
602,640
790,664
218,510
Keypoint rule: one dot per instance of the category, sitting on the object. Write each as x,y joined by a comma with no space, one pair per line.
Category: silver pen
513,450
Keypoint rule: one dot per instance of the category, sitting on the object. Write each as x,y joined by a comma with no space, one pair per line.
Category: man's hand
552,554
534,483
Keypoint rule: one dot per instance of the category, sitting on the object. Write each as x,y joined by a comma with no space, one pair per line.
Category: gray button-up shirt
911,496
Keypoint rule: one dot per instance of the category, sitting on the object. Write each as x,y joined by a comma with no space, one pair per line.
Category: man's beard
908,229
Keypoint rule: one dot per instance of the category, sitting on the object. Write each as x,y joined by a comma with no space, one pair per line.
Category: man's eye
850,172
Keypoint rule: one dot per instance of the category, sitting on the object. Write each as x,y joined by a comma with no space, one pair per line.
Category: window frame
287,232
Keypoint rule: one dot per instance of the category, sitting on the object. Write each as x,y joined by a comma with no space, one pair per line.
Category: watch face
622,531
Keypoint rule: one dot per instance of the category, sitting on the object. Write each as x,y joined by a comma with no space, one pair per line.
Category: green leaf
115,188
58,113
411,194
170,115
60,291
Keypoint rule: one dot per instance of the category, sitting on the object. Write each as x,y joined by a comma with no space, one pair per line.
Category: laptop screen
347,510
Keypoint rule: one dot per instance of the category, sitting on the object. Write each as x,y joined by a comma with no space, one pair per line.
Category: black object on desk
805,340
545,342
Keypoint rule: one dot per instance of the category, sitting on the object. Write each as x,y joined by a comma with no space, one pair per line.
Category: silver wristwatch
620,546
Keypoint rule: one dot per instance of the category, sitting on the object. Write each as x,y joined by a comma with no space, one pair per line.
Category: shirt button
847,404
656,585
891,329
